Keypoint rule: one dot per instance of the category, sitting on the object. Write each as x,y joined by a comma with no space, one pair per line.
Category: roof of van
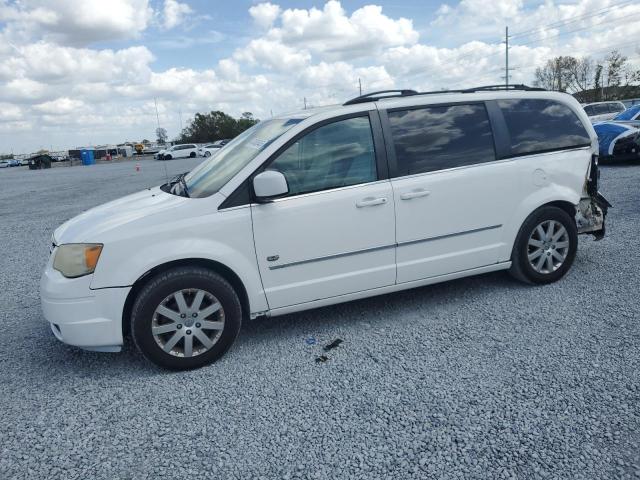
429,98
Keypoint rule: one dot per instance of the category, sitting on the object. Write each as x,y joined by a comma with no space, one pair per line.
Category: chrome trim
383,247
331,257
448,235
329,190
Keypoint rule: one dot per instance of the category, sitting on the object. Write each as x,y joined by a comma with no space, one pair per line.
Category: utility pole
506,57
305,103
180,115
155,99
360,86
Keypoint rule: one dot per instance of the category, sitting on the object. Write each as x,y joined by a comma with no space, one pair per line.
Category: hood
92,225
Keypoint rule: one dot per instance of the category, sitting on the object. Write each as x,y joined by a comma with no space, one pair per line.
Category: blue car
618,141
629,115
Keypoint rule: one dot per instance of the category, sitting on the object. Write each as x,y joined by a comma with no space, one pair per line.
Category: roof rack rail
491,88
373,96
382,94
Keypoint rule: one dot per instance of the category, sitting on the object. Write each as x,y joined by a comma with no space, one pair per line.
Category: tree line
215,125
610,78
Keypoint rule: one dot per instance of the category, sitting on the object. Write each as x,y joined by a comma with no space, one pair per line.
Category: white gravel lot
476,378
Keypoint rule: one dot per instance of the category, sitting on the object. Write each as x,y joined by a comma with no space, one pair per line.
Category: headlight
77,259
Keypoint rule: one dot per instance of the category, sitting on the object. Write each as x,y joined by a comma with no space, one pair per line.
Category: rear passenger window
542,125
441,137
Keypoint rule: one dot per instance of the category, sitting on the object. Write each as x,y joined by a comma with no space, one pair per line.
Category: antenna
166,173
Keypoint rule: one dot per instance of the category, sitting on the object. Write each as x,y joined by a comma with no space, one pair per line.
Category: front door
334,233
452,197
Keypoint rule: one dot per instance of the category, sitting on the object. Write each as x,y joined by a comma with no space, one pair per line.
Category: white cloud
174,13
79,22
264,14
57,87
331,34
273,54
60,106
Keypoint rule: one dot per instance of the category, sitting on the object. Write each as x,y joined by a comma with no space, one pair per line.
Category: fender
545,195
240,258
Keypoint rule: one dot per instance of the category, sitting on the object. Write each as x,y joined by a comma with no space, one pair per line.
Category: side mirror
269,184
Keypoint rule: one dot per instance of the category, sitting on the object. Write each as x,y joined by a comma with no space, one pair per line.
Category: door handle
371,201
417,193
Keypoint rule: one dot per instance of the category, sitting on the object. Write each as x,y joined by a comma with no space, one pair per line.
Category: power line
517,35
575,30
567,21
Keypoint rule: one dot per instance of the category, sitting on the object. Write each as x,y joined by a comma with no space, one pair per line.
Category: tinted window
601,109
542,125
439,137
334,155
590,110
616,107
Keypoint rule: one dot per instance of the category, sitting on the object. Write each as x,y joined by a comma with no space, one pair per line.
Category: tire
192,155
207,154
167,157
551,258
158,298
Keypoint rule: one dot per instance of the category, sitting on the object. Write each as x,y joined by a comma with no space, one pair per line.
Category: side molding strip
448,235
383,247
331,257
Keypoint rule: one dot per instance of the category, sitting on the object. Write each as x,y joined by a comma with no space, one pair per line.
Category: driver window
334,155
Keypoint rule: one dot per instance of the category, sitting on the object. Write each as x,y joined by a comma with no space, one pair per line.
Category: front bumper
79,316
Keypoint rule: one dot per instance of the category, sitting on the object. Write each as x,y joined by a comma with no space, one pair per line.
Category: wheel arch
227,273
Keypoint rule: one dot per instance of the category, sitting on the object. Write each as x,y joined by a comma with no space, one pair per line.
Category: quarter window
334,155
441,137
542,125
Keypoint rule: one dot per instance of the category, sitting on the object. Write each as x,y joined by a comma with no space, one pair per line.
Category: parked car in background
209,149
631,114
629,102
600,111
178,151
618,141
9,163
40,161
329,205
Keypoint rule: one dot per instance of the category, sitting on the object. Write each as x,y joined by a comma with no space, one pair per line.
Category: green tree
208,127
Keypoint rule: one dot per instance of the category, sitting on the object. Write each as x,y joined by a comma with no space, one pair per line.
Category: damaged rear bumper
592,210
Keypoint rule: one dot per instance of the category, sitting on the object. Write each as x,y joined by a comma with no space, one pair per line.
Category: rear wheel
185,318
192,155
207,153
167,157
545,246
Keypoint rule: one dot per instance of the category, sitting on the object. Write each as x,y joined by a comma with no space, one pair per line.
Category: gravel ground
476,378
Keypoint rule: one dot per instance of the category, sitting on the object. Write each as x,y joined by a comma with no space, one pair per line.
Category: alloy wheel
548,246
188,322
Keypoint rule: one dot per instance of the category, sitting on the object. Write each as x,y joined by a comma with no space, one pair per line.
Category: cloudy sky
82,72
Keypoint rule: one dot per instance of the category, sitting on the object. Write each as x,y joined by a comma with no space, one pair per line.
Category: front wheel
192,155
185,318
207,154
545,246
167,157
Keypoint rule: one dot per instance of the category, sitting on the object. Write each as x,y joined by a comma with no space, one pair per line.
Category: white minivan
390,191
178,151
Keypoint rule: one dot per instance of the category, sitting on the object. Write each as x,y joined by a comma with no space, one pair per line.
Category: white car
209,149
325,206
178,151
601,111
5,164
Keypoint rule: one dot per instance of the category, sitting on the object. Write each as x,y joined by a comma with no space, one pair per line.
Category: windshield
208,177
